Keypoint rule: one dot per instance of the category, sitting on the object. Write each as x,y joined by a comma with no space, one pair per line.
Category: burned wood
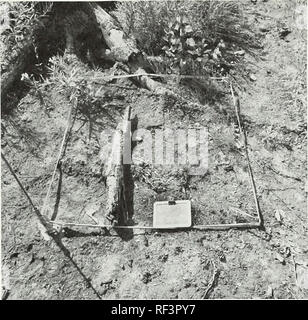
120,48
113,172
123,49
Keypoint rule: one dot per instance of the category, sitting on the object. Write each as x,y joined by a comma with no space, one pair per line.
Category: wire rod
69,118
198,227
51,232
201,227
18,181
156,75
252,182
43,220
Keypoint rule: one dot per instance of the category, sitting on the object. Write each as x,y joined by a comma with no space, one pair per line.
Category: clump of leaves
188,51
196,37
146,21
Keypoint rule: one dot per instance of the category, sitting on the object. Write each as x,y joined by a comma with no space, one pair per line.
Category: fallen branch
114,173
212,283
123,49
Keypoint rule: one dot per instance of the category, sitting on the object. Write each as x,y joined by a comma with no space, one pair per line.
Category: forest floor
268,263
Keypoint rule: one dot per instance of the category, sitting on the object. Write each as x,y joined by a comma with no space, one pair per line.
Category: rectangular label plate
170,216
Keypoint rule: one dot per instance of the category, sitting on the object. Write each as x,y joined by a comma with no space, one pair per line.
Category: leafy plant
196,37
186,49
21,20
73,79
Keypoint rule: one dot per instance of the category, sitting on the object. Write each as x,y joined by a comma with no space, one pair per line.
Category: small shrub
20,23
194,37
74,81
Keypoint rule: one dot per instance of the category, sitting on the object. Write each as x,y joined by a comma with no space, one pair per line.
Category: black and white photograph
154,150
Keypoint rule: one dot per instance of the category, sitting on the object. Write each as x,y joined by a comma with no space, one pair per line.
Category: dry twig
212,283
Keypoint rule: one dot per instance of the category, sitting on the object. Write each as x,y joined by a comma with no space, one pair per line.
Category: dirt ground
247,264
